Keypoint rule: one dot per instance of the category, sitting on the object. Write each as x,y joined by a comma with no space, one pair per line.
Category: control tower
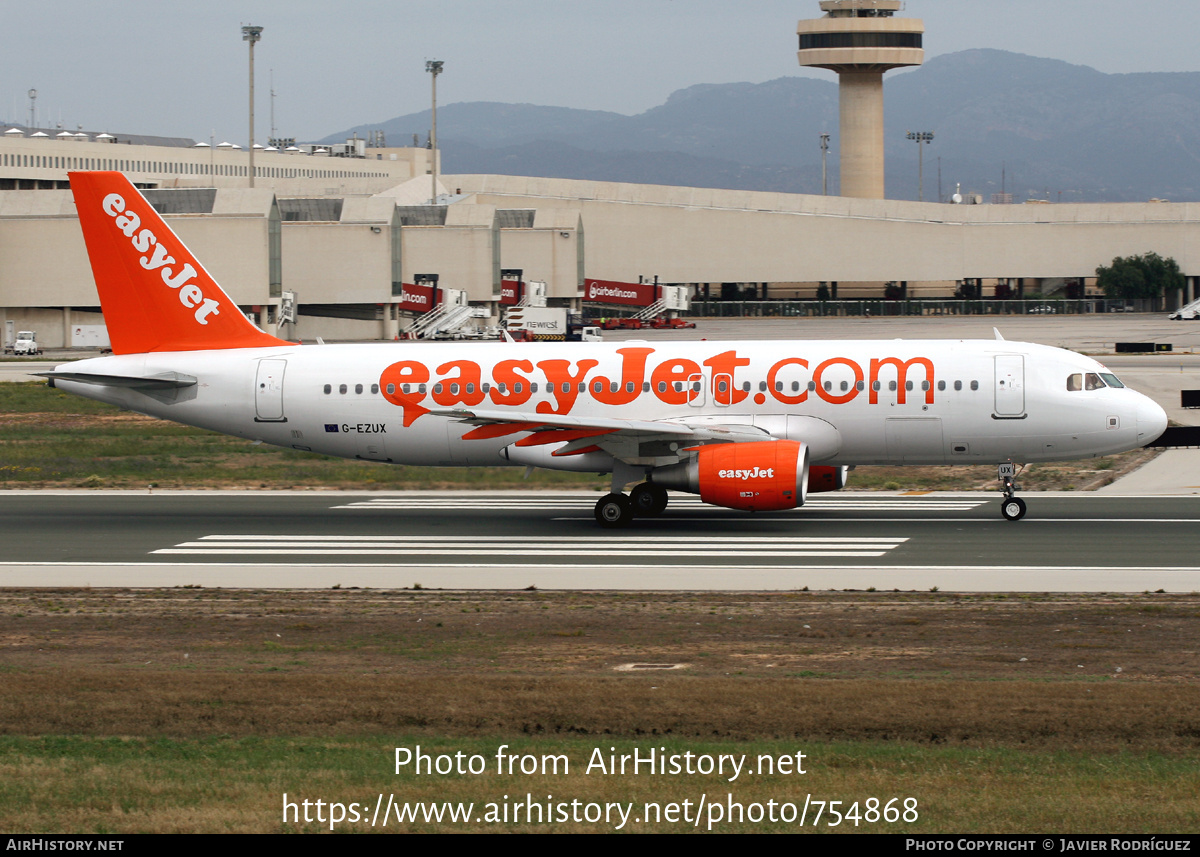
860,40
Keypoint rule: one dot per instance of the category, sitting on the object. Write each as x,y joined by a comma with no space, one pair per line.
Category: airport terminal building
344,229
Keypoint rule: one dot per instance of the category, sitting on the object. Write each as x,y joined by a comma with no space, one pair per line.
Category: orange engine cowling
822,477
758,477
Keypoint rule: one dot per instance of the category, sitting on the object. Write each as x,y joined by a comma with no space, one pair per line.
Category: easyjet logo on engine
756,473
160,259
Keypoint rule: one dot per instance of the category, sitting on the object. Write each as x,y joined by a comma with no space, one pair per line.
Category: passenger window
958,385
645,386
629,387
746,386
828,386
405,388
374,389
518,387
1075,382
974,385
614,386
722,387
437,388
532,387
941,385
762,386
925,386
342,389
875,385
358,388
795,386
812,385
860,385
908,386
597,387
892,386
328,389
662,386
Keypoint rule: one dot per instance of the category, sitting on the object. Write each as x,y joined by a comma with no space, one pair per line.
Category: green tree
1139,277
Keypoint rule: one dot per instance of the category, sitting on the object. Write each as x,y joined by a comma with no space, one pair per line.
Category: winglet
155,295
996,331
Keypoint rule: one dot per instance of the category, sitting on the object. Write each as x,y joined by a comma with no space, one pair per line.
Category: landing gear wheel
1013,508
614,510
648,500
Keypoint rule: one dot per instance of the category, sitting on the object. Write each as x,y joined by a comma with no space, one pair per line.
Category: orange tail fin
156,296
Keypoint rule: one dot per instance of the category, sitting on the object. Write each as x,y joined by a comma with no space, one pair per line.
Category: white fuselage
864,402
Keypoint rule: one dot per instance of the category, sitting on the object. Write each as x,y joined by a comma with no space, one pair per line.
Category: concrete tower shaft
860,40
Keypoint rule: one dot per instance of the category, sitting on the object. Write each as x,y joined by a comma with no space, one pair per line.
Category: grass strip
219,784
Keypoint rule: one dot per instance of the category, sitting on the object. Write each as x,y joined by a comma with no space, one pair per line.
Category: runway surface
481,540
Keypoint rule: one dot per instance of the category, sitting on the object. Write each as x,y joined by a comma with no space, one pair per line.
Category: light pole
251,34
824,152
32,110
922,137
434,67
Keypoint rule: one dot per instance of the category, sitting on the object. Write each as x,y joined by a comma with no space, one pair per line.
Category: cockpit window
1075,382
1111,379
1092,382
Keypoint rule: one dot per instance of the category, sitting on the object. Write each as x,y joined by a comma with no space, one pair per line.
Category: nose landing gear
1012,507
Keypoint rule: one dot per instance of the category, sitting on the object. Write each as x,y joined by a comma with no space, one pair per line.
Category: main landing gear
1012,507
646,500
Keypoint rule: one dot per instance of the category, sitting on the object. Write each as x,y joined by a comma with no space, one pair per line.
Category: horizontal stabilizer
161,381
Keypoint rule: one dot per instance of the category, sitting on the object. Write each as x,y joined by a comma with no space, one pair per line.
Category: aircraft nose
1151,420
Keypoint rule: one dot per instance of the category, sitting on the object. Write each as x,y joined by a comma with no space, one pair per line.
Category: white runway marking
501,547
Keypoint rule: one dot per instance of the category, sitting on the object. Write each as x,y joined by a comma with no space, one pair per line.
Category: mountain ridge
1031,126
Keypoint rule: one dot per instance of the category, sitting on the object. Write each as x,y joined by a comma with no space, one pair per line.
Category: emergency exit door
268,391
1010,386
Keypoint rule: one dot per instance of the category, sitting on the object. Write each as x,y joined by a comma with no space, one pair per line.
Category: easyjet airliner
746,425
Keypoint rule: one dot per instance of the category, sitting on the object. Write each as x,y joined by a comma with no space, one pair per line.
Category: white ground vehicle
24,344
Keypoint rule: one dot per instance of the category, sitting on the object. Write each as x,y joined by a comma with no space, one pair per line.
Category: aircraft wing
628,440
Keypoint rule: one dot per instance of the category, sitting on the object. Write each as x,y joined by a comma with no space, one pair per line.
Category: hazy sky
177,69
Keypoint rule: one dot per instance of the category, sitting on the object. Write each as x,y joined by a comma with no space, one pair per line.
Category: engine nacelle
822,477
758,477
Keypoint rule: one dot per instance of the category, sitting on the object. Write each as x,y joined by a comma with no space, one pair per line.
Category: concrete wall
549,251
337,263
709,235
463,252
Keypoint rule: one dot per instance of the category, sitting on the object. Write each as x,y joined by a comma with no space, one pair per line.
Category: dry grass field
190,709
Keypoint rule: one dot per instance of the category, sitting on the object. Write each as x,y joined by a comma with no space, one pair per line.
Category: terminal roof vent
310,210
190,200
422,215
515,218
